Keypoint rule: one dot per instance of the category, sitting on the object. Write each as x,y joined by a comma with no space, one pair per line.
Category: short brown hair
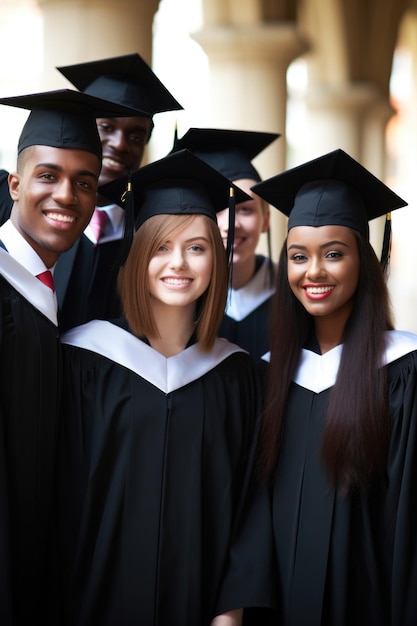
133,283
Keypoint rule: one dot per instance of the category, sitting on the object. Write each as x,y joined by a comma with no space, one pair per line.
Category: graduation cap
333,189
179,184
228,151
64,119
125,80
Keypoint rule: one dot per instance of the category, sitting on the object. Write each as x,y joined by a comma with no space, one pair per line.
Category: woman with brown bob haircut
160,418
134,287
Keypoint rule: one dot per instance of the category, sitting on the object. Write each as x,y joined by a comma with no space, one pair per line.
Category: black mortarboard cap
178,184
125,80
332,189
228,151
64,119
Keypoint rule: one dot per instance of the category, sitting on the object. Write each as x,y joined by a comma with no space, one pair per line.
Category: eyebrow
197,237
192,239
336,242
58,168
141,126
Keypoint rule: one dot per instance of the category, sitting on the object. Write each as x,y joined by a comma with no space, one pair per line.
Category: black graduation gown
247,318
30,365
86,282
156,457
342,561
6,201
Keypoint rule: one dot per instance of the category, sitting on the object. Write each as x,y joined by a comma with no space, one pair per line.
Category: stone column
354,118
248,65
84,30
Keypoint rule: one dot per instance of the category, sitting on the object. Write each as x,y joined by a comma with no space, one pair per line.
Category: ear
266,220
14,184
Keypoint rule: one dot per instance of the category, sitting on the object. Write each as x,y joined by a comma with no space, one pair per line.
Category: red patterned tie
47,279
98,223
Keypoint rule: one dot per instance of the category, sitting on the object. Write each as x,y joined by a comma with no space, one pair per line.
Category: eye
196,248
47,176
105,127
85,184
245,209
138,140
298,257
333,254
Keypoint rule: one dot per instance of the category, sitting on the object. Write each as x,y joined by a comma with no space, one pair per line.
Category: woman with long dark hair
339,439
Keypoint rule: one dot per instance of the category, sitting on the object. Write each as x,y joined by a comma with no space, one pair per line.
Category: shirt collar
21,250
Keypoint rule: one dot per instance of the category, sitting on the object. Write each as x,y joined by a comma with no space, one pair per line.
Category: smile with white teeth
177,281
314,290
60,217
113,163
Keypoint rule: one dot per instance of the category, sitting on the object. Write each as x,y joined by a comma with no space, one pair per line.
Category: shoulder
224,357
398,344
237,363
401,358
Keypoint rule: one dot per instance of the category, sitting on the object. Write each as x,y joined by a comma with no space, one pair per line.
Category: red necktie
47,279
98,223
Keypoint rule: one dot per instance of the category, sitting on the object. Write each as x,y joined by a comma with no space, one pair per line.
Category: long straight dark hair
356,434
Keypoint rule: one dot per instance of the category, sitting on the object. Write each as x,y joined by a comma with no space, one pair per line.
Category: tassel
231,234
128,200
386,244
174,143
271,273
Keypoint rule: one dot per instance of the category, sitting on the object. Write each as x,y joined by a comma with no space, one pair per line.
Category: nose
177,259
315,269
118,141
64,192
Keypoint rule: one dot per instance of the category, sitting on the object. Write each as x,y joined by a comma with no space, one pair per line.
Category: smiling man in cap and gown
53,192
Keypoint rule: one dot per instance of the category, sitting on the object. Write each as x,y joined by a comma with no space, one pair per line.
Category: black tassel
271,273
386,244
231,234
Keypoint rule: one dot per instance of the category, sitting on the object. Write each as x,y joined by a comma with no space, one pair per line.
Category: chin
108,177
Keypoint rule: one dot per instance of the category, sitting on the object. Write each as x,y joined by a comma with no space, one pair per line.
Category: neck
101,201
330,330
243,272
175,327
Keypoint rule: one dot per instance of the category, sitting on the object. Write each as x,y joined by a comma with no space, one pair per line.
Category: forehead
181,227
127,123
246,185
196,226
309,236
63,158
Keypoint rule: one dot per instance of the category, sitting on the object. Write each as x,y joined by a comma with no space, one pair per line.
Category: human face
180,270
251,220
54,197
123,140
323,269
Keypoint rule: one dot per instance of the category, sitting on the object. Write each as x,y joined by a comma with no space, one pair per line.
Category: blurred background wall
325,74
